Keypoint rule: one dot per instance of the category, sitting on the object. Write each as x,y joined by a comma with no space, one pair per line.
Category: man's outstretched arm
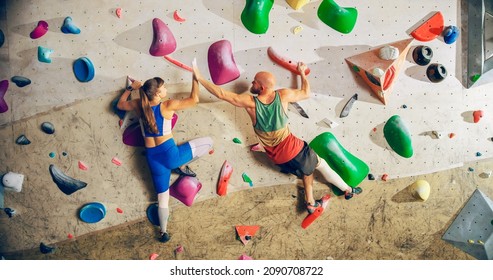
243,101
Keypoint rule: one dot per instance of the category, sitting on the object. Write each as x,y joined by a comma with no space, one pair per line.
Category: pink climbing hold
118,12
153,256
185,188
178,17
116,161
222,65
40,30
244,257
163,42
477,115
179,64
83,166
4,85
179,249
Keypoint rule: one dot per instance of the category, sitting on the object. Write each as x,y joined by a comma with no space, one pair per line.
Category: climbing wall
87,129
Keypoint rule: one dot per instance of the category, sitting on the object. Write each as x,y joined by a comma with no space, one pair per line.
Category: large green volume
351,169
398,137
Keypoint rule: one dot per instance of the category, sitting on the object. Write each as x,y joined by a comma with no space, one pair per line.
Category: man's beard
254,91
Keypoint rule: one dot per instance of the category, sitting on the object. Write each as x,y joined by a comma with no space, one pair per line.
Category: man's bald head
263,80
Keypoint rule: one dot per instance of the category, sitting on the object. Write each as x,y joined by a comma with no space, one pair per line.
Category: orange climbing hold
430,29
384,177
246,232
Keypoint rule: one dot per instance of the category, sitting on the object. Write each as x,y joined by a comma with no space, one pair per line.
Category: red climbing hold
477,115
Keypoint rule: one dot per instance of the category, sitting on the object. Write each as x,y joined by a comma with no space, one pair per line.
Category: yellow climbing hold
297,4
421,189
297,29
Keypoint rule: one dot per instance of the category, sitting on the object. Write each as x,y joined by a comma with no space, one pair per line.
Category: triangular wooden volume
364,63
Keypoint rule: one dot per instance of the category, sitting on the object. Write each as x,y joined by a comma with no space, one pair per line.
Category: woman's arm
125,104
192,100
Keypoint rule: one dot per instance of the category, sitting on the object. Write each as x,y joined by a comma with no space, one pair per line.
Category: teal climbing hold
44,54
255,15
398,137
69,26
342,19
351,169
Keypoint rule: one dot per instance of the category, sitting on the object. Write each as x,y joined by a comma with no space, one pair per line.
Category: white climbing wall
88,129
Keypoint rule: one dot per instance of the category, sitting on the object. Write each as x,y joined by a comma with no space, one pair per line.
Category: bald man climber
268,112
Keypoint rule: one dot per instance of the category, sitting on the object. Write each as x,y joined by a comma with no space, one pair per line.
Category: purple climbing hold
40,30
163,42
185,188
4,85
222,65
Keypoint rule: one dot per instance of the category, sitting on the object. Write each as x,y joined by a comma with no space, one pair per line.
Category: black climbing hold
48,127
22,140
2,38
66,184
20,81
10,212
422,55
371,177
436,72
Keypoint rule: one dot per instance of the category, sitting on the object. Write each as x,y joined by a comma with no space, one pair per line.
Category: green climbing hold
351,169
355,68
342,19
475,78
398,137
255,15
247,179
236,140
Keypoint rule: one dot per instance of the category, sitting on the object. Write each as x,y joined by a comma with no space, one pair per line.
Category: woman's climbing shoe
164,237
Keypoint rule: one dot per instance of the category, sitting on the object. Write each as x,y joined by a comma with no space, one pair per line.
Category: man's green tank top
270,117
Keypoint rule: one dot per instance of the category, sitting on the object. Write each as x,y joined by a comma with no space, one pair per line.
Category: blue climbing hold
152,214
92,212
450,34
69,26
83,69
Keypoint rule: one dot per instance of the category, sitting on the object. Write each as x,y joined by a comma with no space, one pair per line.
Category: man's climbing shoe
348,195
311,208
186,172
164,237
